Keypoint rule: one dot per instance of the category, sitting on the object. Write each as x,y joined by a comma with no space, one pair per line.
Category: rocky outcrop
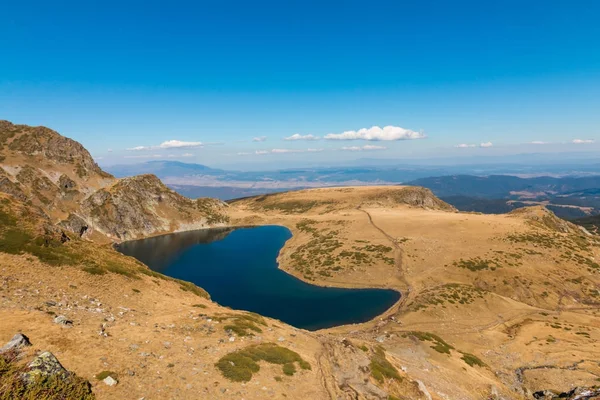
143,206
50,145
43,377
75,224
579,393
409,195
59,176
44,366
541,217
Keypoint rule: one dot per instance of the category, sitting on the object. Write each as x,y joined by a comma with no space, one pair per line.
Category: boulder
62,320
18,341
46,365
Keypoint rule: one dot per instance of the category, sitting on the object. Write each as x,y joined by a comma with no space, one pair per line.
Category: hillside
59,176
514,296
335,199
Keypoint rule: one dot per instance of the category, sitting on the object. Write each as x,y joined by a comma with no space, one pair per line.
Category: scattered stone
380,339
232,339
281,339
51,303
62,320
17,341
110,381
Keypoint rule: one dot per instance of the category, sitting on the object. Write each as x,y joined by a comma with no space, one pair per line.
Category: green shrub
472,360
239,366
439,344
289,369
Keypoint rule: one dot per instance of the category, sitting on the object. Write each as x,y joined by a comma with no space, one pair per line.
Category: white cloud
180,155
373,147
278,151
297,136
259,139
468,145
169,144
286,151
583,141
110,150
377,133
363,148
145,156
538,142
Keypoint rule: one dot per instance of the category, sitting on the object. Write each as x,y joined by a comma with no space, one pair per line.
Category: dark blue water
238,267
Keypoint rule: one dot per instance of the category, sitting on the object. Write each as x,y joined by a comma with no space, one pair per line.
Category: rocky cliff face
58,175
143,206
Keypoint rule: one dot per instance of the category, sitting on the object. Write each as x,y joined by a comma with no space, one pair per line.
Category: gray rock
62,320
45,365
110,381
17,341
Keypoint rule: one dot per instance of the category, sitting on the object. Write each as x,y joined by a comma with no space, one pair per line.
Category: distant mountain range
567,197
487,188
162,169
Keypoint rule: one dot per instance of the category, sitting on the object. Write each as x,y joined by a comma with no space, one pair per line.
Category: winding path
398,259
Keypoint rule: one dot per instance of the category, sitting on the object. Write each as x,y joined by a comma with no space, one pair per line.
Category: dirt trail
398,258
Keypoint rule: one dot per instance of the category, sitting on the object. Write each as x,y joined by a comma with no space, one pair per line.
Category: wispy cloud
583,141
468,145
363,148
145,156
297,136
278,151
169,144
180,155
259,139
377,133
539,142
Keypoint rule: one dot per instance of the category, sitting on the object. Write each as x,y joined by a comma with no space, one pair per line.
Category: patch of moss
240,365
472,360
242,324
381,368
105,374
439,344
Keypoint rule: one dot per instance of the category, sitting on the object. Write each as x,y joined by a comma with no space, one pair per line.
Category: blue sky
198,81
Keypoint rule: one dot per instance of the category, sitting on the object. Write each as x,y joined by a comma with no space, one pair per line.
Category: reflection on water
238,267
158,252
